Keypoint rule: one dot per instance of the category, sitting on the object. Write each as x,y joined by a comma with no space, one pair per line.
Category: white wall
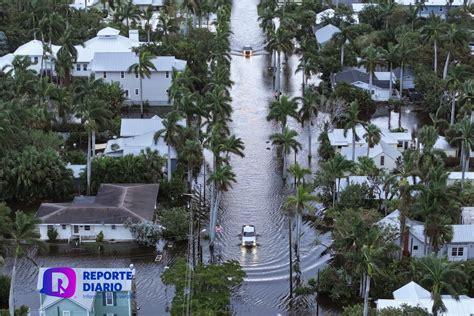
389,163
378,95
416,247
154,88
81,72
119,233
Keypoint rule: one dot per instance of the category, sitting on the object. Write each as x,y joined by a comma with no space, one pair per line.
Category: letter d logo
60,282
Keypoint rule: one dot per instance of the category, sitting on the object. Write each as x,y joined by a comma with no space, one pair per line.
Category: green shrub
52,235
176,223
100,237
4,291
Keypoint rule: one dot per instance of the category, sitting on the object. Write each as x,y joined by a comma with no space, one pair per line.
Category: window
372,91
113,226
382,160
105,74
136,75
109,298
126,93
440,9
66,313
415,247
78,67
136,91
35,59
400,144
122,74
50,227
167,74
87,227
63,226
84,67
457,251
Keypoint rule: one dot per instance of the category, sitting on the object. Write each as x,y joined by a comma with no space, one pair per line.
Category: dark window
136,91
105,74
113,226
167,74
126,93
109,298
415,247
457,251
50,227
84,67
35,59
136,75
87,227
78,67
63,226
122,74
400,143
382,160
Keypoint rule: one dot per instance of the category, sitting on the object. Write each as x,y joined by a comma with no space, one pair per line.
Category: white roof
136,144
133,127
148,2
431,2
463,234
33,48
328,13
457,175
249,229
6,62
467,215
121,61
411,291
358,7
108,31
381,148
76,169
337,138
442,144
393,220
84,299
325,33
463,307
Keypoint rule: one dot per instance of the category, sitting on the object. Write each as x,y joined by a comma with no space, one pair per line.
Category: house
85,217
144,4
414,295
443,145
384,156
83,4
136,136
456,176
467,215
436,7
325,34
375,184
380,83
86,302
114,67
408,77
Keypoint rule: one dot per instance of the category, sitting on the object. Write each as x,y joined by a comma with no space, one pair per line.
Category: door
76,229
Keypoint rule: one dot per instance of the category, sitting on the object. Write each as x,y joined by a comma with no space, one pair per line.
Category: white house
437,7
379,91
383,155
375,184
143,4
414,295
107,212
443,145
136,136
467,215
456,176
408,77
114,67
324,34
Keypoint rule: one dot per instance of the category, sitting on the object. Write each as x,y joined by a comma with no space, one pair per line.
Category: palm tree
22,233
307,112
433,31
406,48
167,25
171,133
391,56
299,172
342,38
299,202
232,145
335,169
147,15
281,42
351,118
371,59
128,11
439,275
286,140
192,153
454,83
453,38
281,109
465,130
372,136
143,69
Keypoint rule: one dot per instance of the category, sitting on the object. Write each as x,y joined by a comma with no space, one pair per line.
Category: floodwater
255,199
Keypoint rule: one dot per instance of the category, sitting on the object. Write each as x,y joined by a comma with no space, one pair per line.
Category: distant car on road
248,236
247,51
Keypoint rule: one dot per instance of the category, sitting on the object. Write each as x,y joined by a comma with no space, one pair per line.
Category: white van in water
249,237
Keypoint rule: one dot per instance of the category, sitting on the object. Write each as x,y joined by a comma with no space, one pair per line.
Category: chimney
133,35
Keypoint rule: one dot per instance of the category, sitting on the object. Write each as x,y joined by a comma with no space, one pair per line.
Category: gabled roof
135,126
381,148
442,144
463,234
108,31
325,33
411,291
407,72
34,48
380,79
457,175
121,61
134,145
114,204
337,138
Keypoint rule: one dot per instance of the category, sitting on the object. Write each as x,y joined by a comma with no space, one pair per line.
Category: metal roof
34,48
121,61
463,234
411,290
463,307
325,33
136,126
361,151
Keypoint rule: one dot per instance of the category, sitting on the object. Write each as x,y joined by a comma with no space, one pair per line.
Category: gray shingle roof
353,75
114,204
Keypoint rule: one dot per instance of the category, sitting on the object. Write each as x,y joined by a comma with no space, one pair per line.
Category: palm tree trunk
11,298
462,164
284,164
370,83
141,96
435,48
401,81
446,64
389,117
190,175
309,144
298,236
368,147
89,164
278,76
342,55
353,144
93,144
169,162
453,107
400,116
366,295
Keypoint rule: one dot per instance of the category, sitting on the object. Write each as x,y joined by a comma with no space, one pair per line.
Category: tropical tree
465,130
433,32
454,37
143,69
307,112
454,82
171,133
391,57
191,151
298,203
371,58
439,276
128,12
299,173
281,109
286,140
147,15
232,145
332,170
372,136
281,42
351,118
345,36
20,235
